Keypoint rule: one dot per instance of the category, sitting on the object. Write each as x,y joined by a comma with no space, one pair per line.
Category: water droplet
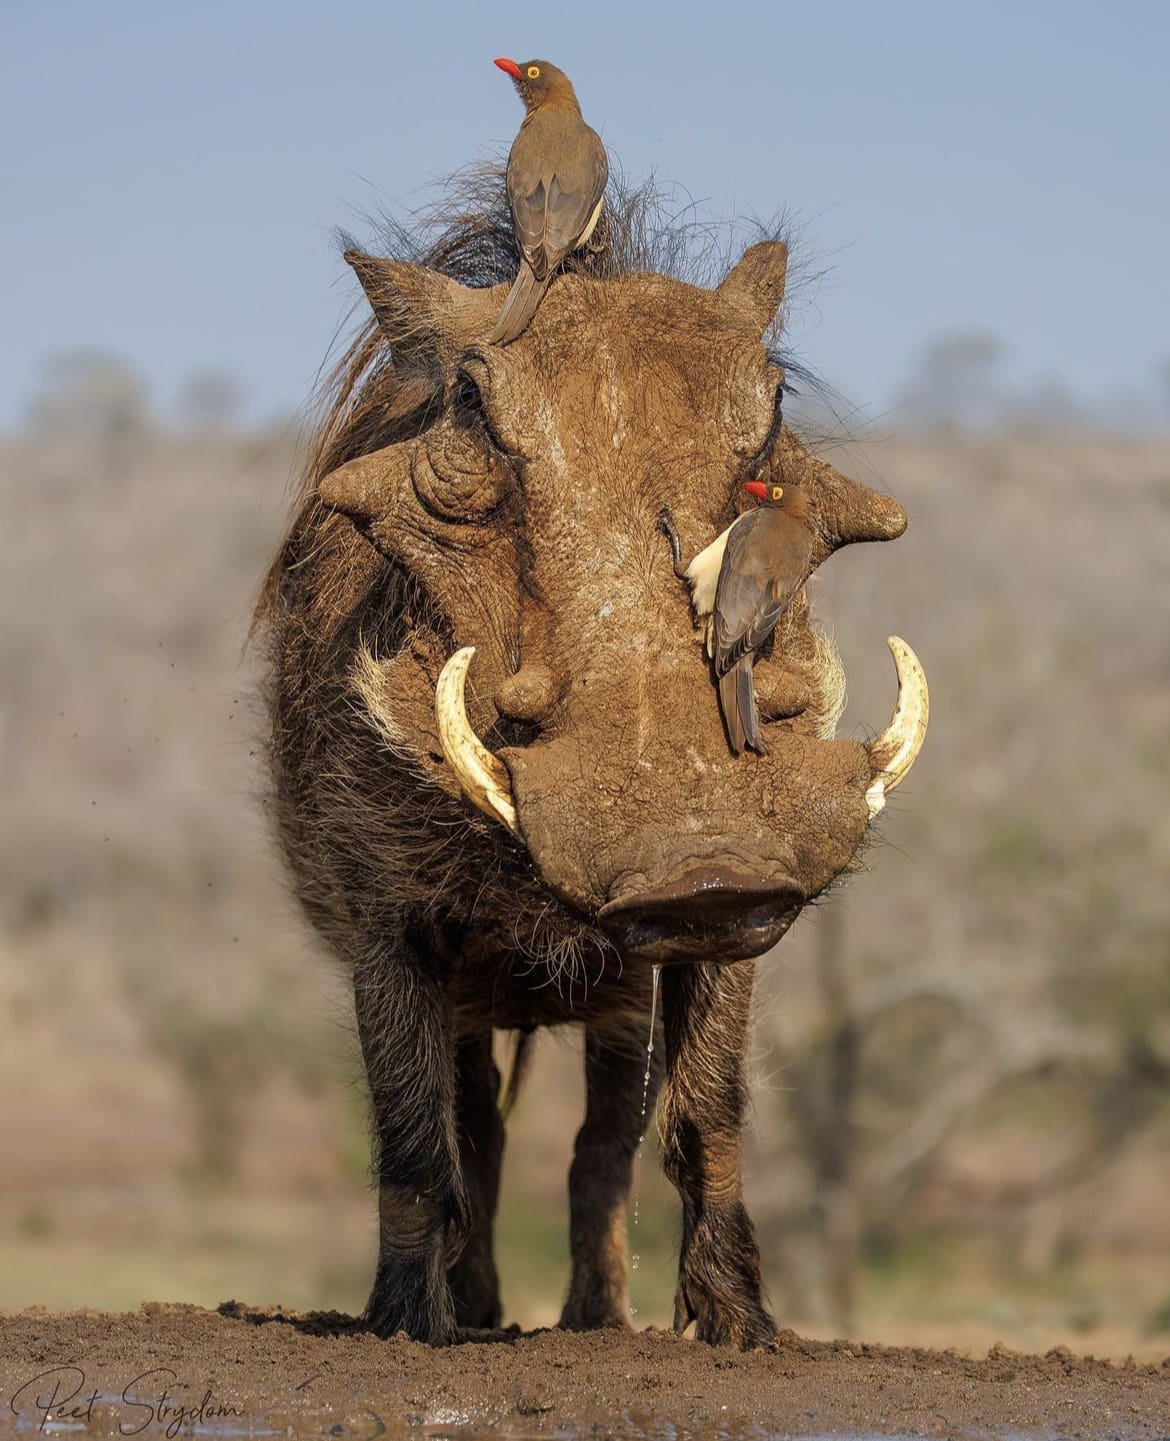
635,1258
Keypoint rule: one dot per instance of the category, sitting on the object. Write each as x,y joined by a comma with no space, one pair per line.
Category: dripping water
635,1259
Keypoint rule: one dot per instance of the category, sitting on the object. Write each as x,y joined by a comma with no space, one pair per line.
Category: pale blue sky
171,174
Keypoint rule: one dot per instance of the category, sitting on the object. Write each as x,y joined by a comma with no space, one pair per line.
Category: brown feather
519,308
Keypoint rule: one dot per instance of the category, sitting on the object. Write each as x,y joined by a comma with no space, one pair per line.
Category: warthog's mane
466,233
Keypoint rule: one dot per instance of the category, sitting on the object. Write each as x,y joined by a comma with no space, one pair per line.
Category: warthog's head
552,674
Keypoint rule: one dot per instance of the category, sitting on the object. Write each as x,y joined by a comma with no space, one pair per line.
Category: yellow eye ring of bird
777,492
534,72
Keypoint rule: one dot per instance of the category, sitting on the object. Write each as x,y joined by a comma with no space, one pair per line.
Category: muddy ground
238,1371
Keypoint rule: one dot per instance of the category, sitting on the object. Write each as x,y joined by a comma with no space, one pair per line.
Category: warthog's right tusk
896,749
483,776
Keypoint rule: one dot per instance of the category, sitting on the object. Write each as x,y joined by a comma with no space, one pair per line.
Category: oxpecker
557,171
741,585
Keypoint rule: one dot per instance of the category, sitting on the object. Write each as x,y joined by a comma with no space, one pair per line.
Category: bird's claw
667,527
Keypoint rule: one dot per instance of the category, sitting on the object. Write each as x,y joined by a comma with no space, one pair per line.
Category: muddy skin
512,499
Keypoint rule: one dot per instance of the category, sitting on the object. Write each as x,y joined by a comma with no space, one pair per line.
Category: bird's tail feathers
519,308
737,698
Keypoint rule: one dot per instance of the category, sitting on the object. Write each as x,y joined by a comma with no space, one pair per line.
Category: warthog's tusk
896,749
483,776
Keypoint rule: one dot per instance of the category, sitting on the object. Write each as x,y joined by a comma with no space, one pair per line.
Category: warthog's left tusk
896,749
483,776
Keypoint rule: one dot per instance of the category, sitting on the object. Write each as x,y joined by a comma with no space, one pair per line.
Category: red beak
511,68
756,488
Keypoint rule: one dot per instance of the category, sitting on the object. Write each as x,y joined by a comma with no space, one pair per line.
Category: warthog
517,840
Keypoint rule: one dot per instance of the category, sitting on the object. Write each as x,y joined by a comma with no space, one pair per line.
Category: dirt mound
236,1370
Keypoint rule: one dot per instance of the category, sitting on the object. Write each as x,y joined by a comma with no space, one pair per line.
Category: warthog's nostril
707,913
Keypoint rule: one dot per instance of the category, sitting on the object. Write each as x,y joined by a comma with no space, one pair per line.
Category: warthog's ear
756,284
424,314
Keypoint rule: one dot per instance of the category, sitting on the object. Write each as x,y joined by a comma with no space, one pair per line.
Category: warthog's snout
706,912
643,824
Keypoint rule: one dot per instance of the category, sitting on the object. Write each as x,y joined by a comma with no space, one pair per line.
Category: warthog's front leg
475,1283
705,1012
599,1180
405,1023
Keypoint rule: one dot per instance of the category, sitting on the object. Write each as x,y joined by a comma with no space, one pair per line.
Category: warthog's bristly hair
646,227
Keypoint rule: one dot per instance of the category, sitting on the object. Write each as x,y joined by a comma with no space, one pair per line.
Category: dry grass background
963,1062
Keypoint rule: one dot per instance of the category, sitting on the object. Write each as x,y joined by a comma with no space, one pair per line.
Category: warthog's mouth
707,913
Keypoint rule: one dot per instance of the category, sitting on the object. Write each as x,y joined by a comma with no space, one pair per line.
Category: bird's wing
765,563
556,176
528,196
573,193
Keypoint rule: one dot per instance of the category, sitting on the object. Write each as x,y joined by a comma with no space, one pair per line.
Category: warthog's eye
470,413
764,454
